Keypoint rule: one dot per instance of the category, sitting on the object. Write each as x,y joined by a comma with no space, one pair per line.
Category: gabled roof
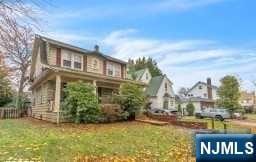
154,85
139,73
203,83
78,49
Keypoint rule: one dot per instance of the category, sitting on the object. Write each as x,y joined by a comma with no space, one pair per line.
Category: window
77,62
147,76
171,103
95,64
67,57
165,86
205,95
71,60
200,87
117,71
110,69
166,104
113,69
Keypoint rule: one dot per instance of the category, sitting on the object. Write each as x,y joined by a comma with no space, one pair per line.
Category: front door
166,104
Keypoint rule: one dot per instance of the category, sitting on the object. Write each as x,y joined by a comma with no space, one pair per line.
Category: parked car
217,113
156,111
171,111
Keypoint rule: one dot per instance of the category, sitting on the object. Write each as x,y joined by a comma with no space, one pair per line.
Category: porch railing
106,100
10,113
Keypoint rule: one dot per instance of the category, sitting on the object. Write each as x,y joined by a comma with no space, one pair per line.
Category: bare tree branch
15,43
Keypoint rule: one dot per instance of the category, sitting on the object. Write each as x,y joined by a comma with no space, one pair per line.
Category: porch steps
153,122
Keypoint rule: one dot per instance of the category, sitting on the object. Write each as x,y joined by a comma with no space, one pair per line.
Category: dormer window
77,62
67,59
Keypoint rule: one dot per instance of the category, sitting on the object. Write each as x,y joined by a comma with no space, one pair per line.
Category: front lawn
30,139
251,117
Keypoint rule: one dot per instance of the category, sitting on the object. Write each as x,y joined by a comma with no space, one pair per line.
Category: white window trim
115,70
95,66
72,60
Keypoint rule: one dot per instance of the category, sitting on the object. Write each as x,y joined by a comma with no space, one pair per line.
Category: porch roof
80,74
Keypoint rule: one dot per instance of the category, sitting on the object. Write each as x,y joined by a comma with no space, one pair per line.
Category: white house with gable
202,95
159,89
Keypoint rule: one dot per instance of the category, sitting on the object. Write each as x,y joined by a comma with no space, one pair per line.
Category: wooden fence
10,113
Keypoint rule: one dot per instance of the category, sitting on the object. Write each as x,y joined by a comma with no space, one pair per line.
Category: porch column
57,93
95,85
57,96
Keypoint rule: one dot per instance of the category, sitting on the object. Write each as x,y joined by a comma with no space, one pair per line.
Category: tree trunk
20,90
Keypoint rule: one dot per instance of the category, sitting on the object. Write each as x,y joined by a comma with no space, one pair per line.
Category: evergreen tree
142,63
229,93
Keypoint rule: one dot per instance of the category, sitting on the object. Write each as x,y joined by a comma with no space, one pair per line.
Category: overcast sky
190,39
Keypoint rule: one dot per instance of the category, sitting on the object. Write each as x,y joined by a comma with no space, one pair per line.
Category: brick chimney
209,88
96,48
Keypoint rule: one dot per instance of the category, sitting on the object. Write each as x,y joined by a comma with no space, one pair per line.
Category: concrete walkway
244,123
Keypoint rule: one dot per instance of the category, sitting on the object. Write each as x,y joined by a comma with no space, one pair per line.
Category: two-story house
55,63
202,95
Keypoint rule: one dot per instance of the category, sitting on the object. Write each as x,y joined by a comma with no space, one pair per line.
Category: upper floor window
165,86
113,69
200,87
110,69
71,60
147,76
77,62
67,59
95,64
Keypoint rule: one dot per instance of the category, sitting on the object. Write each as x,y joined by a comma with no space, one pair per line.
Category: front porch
49,93
104,90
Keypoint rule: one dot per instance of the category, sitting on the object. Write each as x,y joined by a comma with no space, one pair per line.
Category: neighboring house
202,95
55,63
143,75
248,100
159,89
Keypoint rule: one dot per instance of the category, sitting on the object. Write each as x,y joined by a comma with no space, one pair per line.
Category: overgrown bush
81,102
6,92
190,109
5,100
131,99
112,113
179,108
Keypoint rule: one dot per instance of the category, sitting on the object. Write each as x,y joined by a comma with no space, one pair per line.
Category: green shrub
81,102
179,108
4,100
131,99
190,109
6,91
